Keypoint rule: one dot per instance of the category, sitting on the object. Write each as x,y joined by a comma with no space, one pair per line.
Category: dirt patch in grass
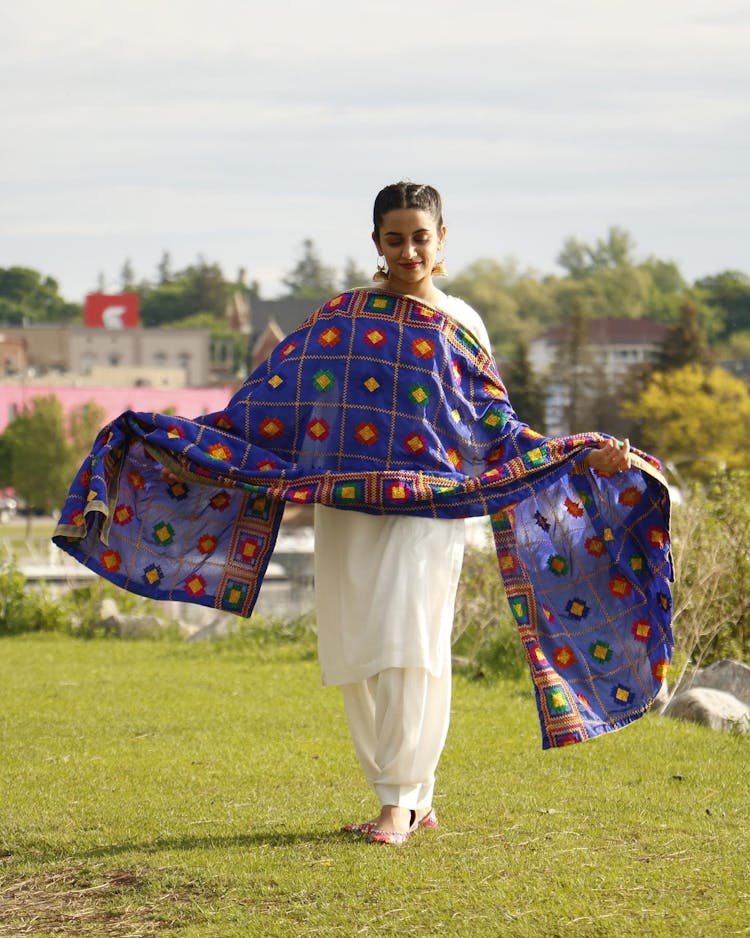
118,903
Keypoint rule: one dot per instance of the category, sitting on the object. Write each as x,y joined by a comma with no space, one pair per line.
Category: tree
310,279
685,343
680,409
526,391
41,459
729,290
353,275
27,295
127,275
83,424
164,268
199,288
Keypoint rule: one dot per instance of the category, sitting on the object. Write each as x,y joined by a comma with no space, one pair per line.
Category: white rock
712,708
733,677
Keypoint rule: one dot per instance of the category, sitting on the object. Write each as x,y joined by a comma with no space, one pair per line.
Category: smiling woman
386,410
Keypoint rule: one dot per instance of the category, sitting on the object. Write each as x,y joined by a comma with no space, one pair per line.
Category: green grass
197,790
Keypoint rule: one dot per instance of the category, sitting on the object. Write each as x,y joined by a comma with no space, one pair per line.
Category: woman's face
410,240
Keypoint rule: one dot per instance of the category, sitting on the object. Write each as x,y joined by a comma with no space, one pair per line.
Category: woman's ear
442,232
376,242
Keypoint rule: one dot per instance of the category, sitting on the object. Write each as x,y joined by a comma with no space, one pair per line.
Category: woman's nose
407,249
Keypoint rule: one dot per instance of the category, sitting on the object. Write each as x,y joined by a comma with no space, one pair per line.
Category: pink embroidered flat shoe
363,828
393,838
367,827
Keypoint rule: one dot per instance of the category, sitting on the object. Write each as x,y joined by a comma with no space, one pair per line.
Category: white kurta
385,585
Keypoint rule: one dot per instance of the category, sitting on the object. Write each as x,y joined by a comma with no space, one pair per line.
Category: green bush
711,549
485,635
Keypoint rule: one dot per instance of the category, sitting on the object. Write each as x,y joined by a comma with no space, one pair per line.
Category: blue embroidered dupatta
380,403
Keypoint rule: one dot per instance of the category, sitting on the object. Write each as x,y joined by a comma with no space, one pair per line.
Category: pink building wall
188,402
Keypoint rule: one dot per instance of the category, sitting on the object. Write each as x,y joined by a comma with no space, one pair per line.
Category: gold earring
439,270
382,272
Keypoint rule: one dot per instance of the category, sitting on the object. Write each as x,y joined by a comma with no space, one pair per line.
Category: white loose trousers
399,721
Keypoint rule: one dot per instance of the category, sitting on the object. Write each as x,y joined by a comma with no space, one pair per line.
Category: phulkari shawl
380,403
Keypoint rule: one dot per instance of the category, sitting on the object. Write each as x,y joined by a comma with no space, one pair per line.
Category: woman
386,411
389,646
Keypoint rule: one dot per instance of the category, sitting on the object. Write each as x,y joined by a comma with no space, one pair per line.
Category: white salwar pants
399,721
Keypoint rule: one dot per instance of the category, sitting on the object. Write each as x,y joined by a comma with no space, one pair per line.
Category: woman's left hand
611,456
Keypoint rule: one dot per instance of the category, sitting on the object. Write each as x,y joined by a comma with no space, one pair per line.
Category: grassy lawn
174,789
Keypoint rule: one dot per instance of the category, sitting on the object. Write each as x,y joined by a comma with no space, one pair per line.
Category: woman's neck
423,290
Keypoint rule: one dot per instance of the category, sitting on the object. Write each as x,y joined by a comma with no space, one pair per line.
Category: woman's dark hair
407,195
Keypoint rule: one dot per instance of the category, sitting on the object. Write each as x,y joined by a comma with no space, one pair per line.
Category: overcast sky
234,129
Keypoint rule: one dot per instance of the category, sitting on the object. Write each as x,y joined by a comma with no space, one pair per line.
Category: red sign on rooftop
111,310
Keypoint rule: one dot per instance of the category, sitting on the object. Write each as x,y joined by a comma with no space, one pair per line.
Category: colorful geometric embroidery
324,380
372,384
220,501
415,443
577,608
564,656
220,452
595,546
377,303
494,419
153,574
207,543
178,490
558,565
375,337
622,695
642,630
330,337
318,429
195,585
123,514
234,595
163,533
248,549
630,496
419,394
423,348
111,560
344,492
573,508
276,382
366,433
271,427
557,702
601,651
619,587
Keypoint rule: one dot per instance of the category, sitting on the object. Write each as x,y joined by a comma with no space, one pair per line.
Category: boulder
131,626
715,709
733,677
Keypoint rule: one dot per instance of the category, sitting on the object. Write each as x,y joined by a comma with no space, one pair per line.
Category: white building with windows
613,347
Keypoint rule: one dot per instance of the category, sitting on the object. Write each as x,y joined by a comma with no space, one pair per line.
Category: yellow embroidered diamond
577,608
608,534
622,694
367,433
234,596
456,415
275,381
380,302
600,652
371,384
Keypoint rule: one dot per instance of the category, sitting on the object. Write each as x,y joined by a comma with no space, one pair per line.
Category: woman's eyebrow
398,233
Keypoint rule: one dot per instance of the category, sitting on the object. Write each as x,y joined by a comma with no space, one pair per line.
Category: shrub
485,634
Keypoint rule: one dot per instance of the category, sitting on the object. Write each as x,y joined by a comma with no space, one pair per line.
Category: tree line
668,406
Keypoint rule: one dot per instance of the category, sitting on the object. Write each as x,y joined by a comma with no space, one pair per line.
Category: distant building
613,347
271,320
